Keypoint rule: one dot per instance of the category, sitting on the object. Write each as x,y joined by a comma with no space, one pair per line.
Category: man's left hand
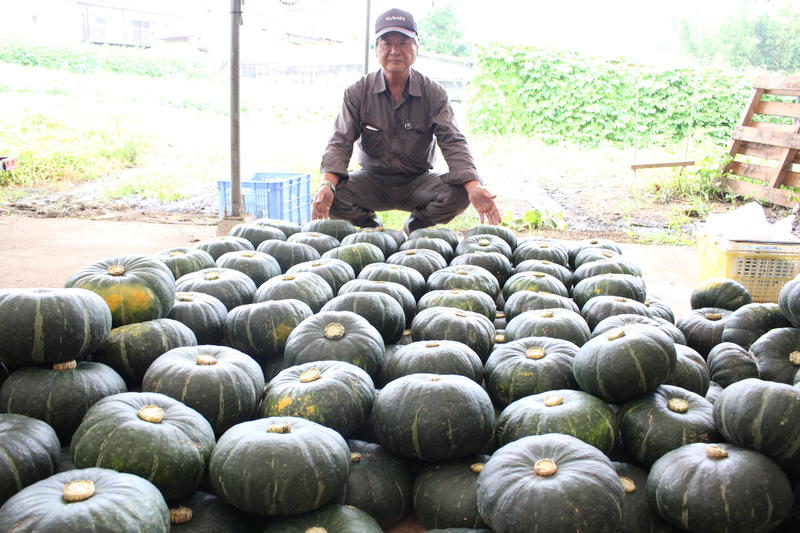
483,202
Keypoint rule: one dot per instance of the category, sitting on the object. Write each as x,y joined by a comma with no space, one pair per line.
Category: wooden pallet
765,157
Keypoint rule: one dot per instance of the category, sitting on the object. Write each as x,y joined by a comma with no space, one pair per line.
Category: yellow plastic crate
762,267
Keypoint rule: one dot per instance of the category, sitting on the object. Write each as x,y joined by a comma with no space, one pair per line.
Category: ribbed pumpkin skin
202,313
729,363
406,276
131,349
334,394
172,453
616,265
222,244
742,493
529,366
432,357
703,328
121,503
624,285
288,227
337,229
378,483
433,417
135,287
304,286
584,494
664,420
429,243
495,262
261,329
483,242
357,255
397,291
182,260
59,397
426,262
379,309
466,299
332,518
336,336
747,323
209,515
556,323
619,321
534,281
522,301
789,301
257,266
603,244
436,232
690,372
30,452
464,277
260,470
558,271
625,363
335,271
256,233
565,411
220,383
504,233
229,286
778,354
445,494
287,253
763,416
601,307
41,326
637,515
724,293
321,242
540,250
449,323
587,254
659,309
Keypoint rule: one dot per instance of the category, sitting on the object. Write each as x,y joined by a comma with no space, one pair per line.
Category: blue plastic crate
278,195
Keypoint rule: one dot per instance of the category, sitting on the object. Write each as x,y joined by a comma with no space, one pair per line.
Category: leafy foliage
440,33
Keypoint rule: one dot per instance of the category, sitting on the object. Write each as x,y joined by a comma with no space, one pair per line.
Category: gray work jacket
398,139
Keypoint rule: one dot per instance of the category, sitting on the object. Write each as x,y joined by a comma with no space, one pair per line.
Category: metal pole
366,40
236,188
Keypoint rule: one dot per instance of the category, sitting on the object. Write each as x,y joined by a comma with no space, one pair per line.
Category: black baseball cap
396,20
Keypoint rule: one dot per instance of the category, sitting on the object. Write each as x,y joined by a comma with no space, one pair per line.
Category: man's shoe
414,223
370,222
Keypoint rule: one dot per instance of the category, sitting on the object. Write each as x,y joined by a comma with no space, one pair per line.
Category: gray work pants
426,196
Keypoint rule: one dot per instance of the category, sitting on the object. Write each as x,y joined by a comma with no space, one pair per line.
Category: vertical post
366,39
236,188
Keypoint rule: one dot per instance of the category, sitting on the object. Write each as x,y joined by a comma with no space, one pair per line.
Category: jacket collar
414,83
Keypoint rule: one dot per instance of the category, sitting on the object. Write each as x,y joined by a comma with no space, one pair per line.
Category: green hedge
563,96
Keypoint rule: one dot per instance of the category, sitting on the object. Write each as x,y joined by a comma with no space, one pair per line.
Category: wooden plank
783,166
764,151
781,92
771,126
778,109
775,196
662,164
784,139
749,170
791,179
777,82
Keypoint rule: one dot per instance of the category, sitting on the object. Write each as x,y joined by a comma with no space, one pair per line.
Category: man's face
396,52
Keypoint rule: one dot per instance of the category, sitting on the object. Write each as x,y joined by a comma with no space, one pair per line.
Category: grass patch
395,220
150,186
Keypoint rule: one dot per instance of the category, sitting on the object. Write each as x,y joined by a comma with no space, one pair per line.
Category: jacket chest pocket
373,140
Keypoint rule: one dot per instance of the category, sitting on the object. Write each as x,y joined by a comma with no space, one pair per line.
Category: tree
440,33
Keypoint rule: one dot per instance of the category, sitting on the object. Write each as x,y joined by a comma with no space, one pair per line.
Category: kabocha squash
182,260
703,328
445,494
220,383
321,242
231,287
433,417
483,242
257,266
789,301
690,372
618,321
432,357
131,349
335,271
579,246
466,299
287,253
747,323
593,253
338,229
379,309
565,411
261,329
624,285
763,416
397,291
732,490
664,420
713,392
288,227
334,394
604,266
554,483
541,250
382,240
464,277
307,287
534,281
504,233
256,233
30,452
378,483
495,262
528,366
557,323
601,307
522,301
436,232
148,434
336,336
357,255
625,363
59,395
659,308
637,514
92,499
778,354
332,518
135,287
202,313
429,243
222,244
406,276
724,293
41,326
203,512
279,466
558,271
729,363
449,323
424,261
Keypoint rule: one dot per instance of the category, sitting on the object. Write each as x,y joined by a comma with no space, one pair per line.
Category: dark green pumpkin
436,232
334,394
557,323
495,262
540,250
466,299
288,227
551,482
256,233
321,242
713,392
617,265
261,329
131,349
533,281
379,309
522,301
625,363
601,307
464,277
484,242
637,514
747,323
406,276
659,308
307,287
588,254
503,232
92,499
778,354
429,243
558,271
279,466
257,266
663,420
618,321
288,253
690,372
202,313
566,411
433,417
231,287
205,513
397,291
724,293
357,255
30,452
424,261
624,285
716,488
338,229
41,326
332,518
59,395
449,323
528,366
220,383
182,260
703,328
445,494
789,301
335,271
432,357
729,363
222,244
147,434
603,244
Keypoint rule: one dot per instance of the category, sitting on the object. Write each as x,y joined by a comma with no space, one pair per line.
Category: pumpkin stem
499,338
116,270
545,467
280,428
316,263
67,365
455,291
77,491
546,314
536,274
535,352
248,253
355,457
628,485
476,468
460,314
794,357
334,331
620,299
312,374
484,242
211,276
406,332
205,360
431,344
434,378
499,314
615,335
411,252
316,529
553,400
678,405
713,316
715,452
180,515
185,297
177,253
151,413
287,277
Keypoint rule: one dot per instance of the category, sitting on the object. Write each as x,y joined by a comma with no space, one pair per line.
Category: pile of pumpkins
320,378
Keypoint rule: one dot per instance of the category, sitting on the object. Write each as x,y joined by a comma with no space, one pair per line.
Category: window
141,32
97,29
